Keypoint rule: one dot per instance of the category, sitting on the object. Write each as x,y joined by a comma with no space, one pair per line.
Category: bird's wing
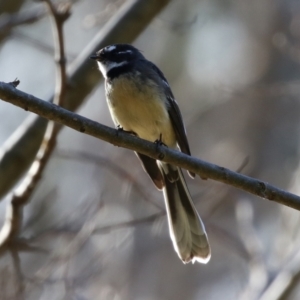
175,115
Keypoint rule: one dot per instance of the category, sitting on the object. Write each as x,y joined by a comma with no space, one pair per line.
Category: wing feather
175,115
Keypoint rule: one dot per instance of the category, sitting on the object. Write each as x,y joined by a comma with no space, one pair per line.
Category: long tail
187,230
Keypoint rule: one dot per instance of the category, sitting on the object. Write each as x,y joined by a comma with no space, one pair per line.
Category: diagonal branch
8,22
204,169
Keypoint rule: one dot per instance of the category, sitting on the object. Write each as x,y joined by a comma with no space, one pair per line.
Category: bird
141,102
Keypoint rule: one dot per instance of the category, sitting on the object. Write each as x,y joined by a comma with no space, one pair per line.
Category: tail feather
186,228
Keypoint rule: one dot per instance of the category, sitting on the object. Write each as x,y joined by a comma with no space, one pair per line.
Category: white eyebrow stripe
127,51
110,48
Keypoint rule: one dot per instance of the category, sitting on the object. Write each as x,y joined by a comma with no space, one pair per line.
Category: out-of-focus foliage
234,69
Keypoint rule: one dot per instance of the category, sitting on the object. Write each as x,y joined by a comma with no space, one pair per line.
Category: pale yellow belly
140,110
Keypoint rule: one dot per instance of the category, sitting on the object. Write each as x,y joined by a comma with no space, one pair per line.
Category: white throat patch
107,66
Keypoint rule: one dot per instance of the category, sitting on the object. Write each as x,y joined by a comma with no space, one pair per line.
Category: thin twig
218,195
284,280
121,139
39,45
106,163
20,197
10,21
145,220
258,272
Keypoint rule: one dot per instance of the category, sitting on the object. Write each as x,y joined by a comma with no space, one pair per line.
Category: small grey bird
141,102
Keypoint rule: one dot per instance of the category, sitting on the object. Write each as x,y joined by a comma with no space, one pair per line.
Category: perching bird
141,102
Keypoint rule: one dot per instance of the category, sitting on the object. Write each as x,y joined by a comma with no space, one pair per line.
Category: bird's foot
159,141
120,128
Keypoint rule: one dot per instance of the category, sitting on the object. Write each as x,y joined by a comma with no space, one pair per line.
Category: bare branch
285,280
145,220
9,21
123,139
20,197
258,272
39,45
108,164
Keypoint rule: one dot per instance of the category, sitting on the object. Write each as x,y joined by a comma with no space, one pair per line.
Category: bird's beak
94,57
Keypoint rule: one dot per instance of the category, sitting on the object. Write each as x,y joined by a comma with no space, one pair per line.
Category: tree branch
10,21
20,197
204,169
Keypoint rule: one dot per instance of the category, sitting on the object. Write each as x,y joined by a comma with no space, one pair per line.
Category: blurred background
95,226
